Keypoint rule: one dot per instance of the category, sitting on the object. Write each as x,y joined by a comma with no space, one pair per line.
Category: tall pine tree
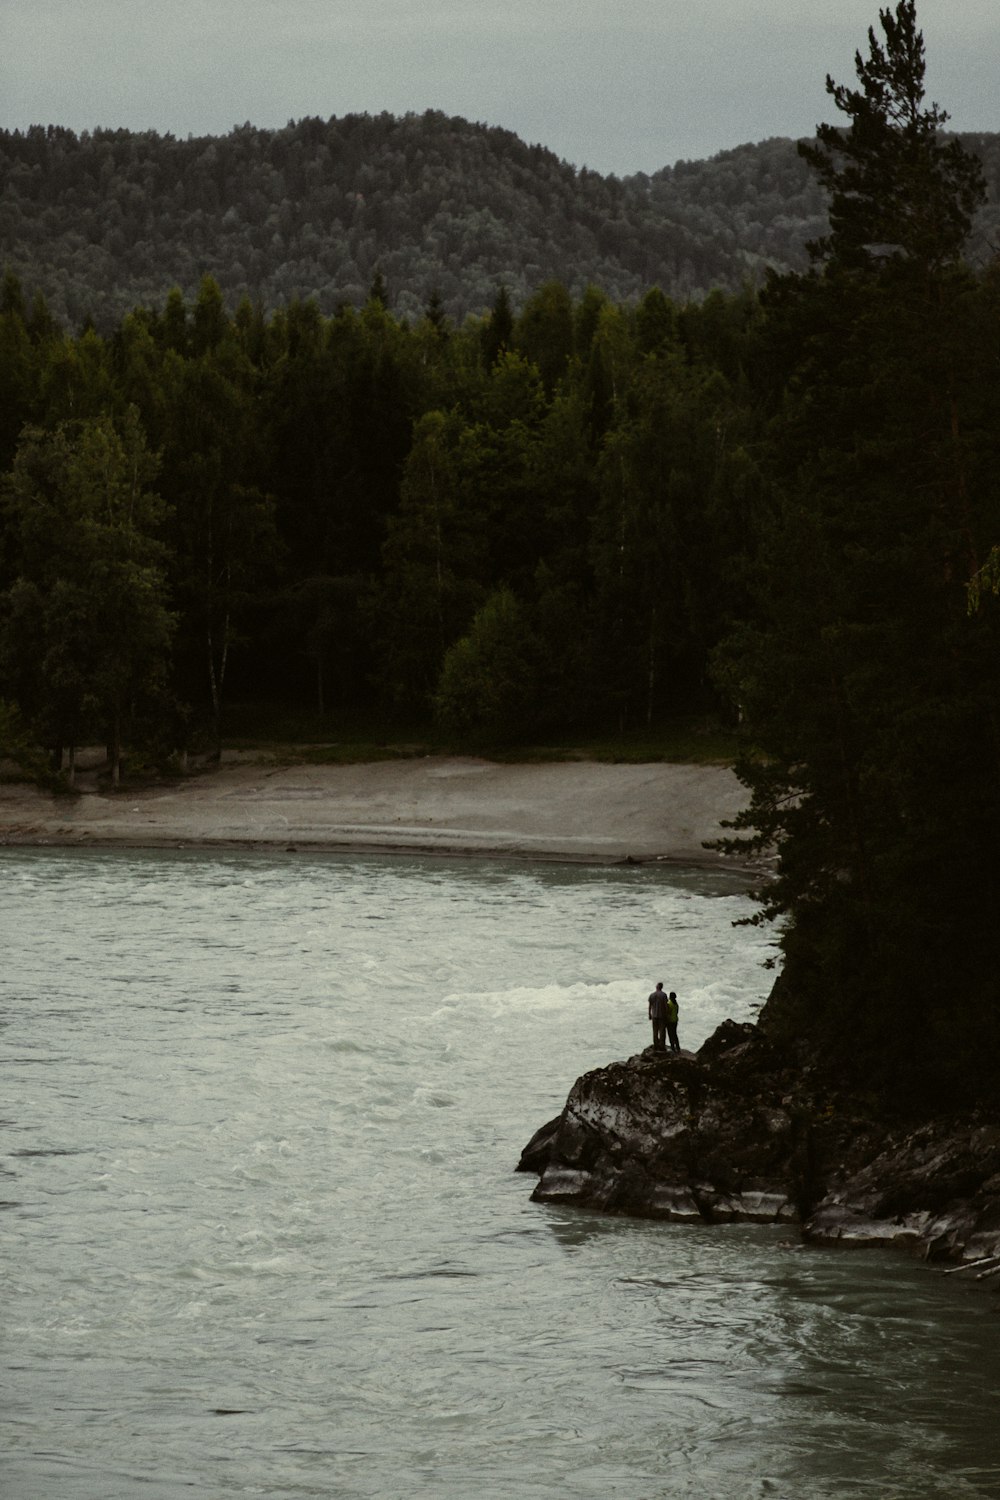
870,702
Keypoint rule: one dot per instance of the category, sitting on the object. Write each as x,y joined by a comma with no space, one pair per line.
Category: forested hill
103,221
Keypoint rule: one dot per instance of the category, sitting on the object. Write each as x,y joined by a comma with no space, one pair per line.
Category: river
262,1235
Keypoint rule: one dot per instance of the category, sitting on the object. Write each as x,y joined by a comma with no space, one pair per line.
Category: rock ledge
741,1131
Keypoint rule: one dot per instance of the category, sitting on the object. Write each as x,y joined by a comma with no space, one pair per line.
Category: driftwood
984,1267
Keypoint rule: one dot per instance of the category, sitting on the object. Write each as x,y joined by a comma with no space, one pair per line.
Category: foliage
20,757
487,688
895,188
870,700
433,206
341,496
85,628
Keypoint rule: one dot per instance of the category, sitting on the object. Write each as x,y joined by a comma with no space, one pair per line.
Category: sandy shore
569,810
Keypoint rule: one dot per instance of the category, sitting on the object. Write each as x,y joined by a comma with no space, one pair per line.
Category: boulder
678,1136
743,1130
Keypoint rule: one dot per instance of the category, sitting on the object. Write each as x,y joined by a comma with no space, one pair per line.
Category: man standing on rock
658,1013
672,1012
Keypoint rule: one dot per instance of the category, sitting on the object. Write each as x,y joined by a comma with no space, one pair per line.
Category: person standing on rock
658,1012
673,1010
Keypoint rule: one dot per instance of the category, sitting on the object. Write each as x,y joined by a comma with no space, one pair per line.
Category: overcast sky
618,87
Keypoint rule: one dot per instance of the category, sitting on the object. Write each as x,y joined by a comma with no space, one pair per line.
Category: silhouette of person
671,1022
658,1013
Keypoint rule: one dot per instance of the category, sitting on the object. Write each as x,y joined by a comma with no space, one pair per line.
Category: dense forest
107,221
354,510
780,505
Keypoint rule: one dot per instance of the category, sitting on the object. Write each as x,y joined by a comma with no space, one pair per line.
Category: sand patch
576,810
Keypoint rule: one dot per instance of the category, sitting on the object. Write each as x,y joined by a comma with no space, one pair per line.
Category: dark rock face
743,1131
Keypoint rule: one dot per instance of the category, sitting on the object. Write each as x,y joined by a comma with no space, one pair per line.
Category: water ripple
267,1238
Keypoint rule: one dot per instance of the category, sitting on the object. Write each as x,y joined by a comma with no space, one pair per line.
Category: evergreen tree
434,561
19,365
222,535
870,703
544,332
895,188
498,330
378,292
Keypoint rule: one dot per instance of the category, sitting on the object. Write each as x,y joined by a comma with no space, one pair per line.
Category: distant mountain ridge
110,219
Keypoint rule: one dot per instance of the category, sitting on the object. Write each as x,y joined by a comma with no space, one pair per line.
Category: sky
623,88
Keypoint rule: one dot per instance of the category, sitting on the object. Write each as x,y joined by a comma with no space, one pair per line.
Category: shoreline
581,812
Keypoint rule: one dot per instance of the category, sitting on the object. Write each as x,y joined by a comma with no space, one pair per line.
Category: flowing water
262,1234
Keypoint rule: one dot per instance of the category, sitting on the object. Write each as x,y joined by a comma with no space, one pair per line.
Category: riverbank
569,810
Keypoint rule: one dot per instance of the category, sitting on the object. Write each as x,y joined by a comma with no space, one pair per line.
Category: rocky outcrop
741,1130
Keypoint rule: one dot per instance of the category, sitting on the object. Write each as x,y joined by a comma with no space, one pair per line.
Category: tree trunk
115,748
651,675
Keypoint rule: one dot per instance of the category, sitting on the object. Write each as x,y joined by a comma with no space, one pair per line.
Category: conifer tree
869,704
896,189
498,330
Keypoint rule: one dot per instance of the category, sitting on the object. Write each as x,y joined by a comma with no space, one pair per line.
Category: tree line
106,220
781,505
517,526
